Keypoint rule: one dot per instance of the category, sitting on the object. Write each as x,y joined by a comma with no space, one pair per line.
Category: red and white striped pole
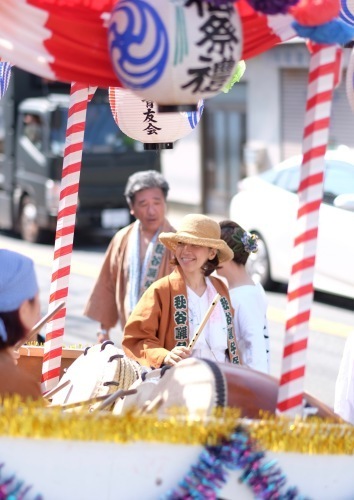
79,98
323,77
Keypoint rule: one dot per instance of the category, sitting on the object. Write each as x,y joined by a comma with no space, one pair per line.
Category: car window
33,129
269,176
288,179
101,132
339,179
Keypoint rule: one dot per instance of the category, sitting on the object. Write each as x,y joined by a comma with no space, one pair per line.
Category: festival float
198,430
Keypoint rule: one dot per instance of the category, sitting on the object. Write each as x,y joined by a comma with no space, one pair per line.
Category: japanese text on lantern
218,35
149,114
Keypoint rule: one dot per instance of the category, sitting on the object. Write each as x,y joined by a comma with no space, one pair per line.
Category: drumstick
37,327
67,406
56,389
205,319
121,393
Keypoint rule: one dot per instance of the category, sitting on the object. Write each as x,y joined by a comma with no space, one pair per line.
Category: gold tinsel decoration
279,434
35,343
313,436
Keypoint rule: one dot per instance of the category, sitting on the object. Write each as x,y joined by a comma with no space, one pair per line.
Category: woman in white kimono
247,298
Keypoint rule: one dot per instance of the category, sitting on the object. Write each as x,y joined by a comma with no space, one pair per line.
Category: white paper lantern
347,11
139,119
174,52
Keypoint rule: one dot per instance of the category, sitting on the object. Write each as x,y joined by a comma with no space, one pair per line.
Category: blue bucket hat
18,280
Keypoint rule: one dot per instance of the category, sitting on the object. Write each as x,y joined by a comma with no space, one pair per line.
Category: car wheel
258,265
28,222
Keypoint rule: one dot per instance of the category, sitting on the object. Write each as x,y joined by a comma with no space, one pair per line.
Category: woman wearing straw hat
161,326
19,312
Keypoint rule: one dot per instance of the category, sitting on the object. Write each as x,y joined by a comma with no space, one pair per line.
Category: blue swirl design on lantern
195,116
345,13
145,70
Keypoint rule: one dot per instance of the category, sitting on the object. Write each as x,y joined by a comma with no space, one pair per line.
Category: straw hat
197,229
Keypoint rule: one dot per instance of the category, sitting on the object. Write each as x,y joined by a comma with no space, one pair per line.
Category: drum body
249,390
101,370
201,385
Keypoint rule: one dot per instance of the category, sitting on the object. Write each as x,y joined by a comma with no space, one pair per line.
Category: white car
266,204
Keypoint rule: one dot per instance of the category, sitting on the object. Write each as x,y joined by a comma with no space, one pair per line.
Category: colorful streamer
12,488
240,452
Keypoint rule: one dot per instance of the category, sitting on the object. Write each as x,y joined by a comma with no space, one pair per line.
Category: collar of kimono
151,268
180,315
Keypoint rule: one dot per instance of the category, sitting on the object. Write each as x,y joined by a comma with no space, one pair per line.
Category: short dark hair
15,330
145,180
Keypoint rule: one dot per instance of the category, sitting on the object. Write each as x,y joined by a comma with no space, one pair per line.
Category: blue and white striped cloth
195,116
5,72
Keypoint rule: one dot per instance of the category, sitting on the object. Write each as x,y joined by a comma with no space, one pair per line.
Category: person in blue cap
19,312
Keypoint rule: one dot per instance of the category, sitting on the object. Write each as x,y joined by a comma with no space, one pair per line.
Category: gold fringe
311,436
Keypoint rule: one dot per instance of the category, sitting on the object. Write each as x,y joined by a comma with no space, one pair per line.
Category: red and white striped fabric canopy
66,40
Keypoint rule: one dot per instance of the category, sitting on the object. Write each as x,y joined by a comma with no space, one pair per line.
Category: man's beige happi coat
109,302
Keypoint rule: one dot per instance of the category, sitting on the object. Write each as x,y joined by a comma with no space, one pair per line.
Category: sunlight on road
316,324
42,257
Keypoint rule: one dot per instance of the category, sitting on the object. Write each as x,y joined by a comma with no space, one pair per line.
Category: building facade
257,124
